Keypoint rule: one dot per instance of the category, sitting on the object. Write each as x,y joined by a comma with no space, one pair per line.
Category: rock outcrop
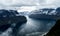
8,17
55,30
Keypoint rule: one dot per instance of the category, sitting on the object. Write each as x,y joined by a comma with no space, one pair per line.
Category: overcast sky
38,3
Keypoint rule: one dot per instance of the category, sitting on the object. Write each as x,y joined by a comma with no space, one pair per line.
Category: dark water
37,27
33,27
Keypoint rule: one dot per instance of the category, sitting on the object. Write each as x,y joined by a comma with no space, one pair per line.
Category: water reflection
34,25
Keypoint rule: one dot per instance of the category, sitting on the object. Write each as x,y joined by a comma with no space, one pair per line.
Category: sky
16,4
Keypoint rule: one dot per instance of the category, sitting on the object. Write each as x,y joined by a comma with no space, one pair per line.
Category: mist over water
32,27
35,27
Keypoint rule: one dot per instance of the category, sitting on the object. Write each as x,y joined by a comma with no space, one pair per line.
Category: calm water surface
32,27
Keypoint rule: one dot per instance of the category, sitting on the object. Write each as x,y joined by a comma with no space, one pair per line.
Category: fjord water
32,27
37,27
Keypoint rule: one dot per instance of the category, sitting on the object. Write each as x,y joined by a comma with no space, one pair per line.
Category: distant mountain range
8,13
46,13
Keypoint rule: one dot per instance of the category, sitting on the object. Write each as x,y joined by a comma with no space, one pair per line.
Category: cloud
37,3
18,2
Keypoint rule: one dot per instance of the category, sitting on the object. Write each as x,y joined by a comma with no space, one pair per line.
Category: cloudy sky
15,4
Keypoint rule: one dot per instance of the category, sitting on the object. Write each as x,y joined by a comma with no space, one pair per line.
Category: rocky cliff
8,17
55,30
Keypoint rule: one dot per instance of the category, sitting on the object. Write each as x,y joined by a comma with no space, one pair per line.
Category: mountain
8,17
45,13
58,10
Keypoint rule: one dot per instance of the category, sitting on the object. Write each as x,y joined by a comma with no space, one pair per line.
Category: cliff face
55,30
9,17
